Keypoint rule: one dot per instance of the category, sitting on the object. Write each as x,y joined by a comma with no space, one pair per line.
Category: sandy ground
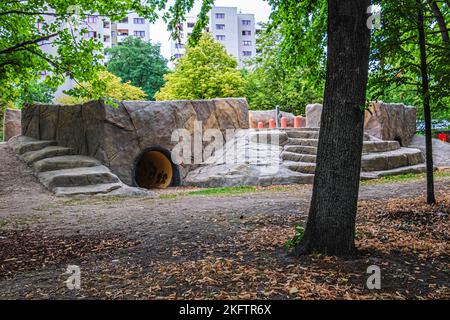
136,231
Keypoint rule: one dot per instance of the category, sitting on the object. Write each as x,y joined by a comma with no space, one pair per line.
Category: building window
106,38
178,56
191,25
124,20
246,22
122,32
220,38
179,45
140,34
247,53
220,27
92,19
106,24
220,15
91,34
138,20
246,33
247,43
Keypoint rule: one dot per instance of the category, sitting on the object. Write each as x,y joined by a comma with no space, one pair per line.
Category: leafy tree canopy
105,82
396,72
207,71
26,26
140,63
270,83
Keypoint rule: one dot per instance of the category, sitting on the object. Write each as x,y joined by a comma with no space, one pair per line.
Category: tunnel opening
154,169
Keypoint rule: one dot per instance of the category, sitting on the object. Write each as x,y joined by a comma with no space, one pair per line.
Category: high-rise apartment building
108,32
236,31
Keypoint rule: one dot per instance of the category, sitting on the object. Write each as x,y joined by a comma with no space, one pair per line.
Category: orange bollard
260,125
272,124
298,122
283,123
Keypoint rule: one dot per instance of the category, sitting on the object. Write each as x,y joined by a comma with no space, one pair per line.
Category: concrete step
77,177
87,190
291,156
295,134
419,168
23,144
380,146
288,130
303,142
47,152
301,149
64,162
389,160
302,167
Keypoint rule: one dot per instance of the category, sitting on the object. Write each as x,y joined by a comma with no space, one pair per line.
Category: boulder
313,115
264,116
11,124
118,135
391,122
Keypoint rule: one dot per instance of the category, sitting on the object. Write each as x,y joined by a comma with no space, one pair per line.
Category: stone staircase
67,174
380,158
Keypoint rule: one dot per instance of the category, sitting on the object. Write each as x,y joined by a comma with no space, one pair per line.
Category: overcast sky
260,8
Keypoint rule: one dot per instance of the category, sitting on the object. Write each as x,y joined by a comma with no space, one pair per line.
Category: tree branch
26,43
440,20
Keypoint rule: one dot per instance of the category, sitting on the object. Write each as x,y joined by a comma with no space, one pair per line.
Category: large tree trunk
331,223
431,199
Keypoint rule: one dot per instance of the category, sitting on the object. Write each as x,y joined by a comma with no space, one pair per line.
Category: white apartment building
108,32
236,31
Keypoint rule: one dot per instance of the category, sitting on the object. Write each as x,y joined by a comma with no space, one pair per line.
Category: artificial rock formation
388,122
117,136
11,124
391,122
313,115
263,158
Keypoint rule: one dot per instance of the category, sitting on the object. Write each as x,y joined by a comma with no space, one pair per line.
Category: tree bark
431,199
440,20
330,227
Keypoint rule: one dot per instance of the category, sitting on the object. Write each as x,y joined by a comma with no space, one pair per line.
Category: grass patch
407,177
95,200
222,191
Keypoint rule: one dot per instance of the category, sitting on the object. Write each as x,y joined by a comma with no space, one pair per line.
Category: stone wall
11,124
117,135
393,121
385,121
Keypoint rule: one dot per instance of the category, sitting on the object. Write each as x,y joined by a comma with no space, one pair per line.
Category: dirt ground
214,247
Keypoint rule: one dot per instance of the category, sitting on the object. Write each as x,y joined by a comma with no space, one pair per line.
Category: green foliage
21,56
106,86
299,234
270,82
206,72
36,91
303,26
395,70
140,63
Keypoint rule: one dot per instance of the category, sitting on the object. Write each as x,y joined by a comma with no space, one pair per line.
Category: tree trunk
331,223
440,20
431,199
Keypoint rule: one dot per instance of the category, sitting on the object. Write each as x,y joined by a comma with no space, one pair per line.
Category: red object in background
283,123
260,125
443,137
298,122
272,124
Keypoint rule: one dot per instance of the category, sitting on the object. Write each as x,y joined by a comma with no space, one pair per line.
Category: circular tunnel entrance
155,170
